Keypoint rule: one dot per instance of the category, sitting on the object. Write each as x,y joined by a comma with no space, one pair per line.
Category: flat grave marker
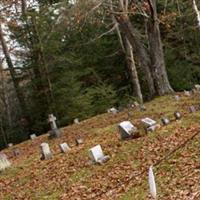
149,124
112,110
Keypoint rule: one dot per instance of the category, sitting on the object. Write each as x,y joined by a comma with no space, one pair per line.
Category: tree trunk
13,74
133,71
139,50
158,68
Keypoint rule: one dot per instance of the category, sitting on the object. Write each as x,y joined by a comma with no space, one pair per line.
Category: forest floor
71,176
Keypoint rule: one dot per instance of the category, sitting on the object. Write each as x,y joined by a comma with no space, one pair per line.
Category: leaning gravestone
79,141
4,162
187,93
177,115
33,136
192,109
45,151
97,156
165,121
54,132
64,147
149,124
127,130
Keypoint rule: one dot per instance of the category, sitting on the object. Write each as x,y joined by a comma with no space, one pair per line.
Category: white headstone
64,147
127,129
152,183
147,122
165,120
187,93
45,151
197,87
10,144
33,136
112,110
79,141
97,155
4,162
76,121
177,115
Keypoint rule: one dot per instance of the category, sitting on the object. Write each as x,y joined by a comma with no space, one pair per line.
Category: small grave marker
76,121
177,115
112,110
10,144
197,87
165,120
4,162
149,124
79,141
16,152
45,151
127,130
136,104
142,107
33,136
97,155
152,183
192,109
64,147
54,132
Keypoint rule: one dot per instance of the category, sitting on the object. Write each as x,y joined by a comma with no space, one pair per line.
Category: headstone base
55,133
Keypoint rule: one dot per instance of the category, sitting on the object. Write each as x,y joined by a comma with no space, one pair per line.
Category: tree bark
158,68
139,50
133,71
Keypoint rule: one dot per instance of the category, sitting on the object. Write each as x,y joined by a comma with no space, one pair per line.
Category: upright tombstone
16,152
192,109
45,151
112,110
149,124
136,104
4,162
79,141
64,147
97,156
177,115
10,144
165,121
127,130
76,121
33,136
54,132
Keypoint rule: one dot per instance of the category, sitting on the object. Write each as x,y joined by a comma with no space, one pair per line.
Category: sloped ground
124,177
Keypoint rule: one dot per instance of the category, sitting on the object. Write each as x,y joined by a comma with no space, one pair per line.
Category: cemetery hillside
172,150
99,99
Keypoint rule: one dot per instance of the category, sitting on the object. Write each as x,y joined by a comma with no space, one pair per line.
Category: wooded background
78,58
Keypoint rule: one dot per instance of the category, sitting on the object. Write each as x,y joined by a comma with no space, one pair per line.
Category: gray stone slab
4,162
127,130
45,151
64,147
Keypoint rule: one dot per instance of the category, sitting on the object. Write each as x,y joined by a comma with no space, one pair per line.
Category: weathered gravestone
149,124
97,156
192,109
16,152
64,147
112,110
136,104
79,141
165,121
127,130
4,162
45,151
54,132
33,136
177,115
